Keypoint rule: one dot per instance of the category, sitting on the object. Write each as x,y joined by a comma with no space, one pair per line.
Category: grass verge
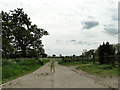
74,63
101,70
94,69
15,68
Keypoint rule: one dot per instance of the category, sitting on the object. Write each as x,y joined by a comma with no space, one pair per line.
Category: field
101,70
13,68
96,69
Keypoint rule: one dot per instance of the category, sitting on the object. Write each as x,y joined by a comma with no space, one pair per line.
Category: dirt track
62,78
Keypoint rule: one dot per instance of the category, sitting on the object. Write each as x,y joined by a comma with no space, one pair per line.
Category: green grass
95,69
74,63
101,70
13,69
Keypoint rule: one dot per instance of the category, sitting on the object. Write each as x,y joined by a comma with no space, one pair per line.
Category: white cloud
63,18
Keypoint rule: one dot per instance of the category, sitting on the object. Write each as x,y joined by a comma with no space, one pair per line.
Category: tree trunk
23,52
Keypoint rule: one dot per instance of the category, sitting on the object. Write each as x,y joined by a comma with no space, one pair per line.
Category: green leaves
20,35
104,51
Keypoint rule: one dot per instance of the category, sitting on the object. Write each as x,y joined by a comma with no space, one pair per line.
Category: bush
39,61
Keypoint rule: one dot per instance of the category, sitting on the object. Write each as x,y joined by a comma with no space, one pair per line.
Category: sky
73,25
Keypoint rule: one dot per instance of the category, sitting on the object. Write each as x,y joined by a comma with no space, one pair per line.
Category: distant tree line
104,54
21,38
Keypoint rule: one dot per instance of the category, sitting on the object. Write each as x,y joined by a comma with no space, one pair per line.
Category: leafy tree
104,51
53,55
43,55
73,56
6,36
20,36
60,55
